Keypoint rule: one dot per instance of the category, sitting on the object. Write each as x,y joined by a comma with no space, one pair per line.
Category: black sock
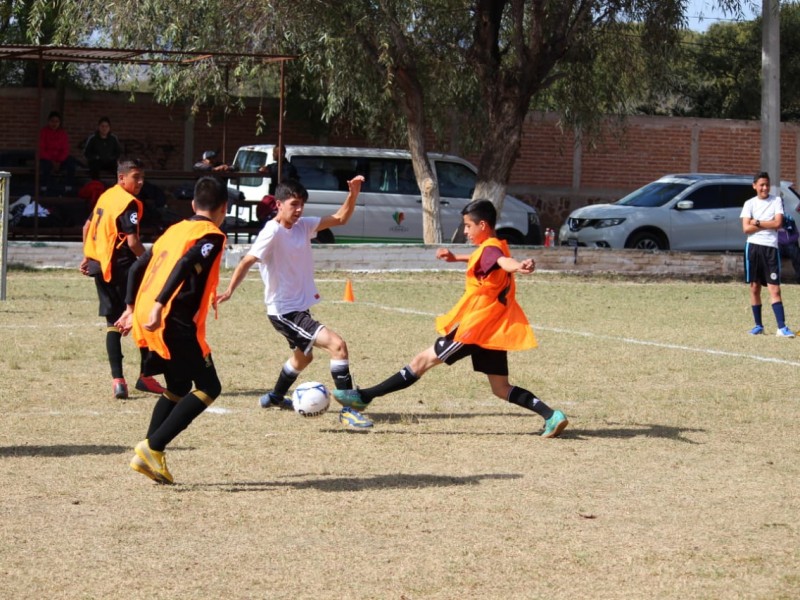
186,411
404,378
114,351
285,380
340,371
161,411
143,354
525,399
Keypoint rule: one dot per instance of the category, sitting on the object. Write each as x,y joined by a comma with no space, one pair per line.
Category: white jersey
287,265
763,210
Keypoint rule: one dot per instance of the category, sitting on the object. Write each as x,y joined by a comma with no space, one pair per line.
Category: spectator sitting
788,236
54,154
210,162
102,150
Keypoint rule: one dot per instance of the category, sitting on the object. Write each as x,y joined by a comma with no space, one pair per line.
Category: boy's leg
332,342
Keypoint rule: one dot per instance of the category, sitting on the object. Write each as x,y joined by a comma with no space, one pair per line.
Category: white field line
611,338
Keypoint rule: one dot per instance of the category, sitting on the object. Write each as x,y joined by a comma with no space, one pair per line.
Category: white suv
689,212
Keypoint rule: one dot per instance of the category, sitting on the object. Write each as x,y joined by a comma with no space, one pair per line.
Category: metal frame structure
86,54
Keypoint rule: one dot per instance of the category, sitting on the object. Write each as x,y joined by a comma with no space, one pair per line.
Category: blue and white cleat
353,418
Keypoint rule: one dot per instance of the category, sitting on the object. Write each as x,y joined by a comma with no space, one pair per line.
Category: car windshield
653,194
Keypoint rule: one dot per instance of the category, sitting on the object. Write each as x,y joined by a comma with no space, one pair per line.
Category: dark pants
47,170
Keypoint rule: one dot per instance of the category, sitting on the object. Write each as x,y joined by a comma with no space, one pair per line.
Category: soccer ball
311,399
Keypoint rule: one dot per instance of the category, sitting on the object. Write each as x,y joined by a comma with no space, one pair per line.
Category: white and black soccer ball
311,399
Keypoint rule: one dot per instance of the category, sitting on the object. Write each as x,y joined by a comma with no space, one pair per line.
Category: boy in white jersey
283,253
762,216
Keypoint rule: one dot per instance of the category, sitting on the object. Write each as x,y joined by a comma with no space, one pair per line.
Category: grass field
679,476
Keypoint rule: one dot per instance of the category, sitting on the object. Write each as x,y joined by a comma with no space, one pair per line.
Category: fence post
5,184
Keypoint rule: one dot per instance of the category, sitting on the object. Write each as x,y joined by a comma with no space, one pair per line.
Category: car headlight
601,223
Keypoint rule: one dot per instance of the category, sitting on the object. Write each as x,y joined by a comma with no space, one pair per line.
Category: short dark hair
760,175
102,120
126,164
290,189
210,193
481,210
54,113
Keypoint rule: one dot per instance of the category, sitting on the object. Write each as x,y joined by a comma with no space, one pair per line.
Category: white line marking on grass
599,336
218,410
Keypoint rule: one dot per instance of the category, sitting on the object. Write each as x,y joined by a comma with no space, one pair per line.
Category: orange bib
487,314
103,236
167,251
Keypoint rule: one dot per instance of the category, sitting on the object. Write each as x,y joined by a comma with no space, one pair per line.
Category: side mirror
685,205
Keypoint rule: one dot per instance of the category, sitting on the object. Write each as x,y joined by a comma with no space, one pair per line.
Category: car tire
512,236
647,240
324,237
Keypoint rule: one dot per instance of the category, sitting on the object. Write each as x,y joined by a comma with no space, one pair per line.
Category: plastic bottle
552,241
547,238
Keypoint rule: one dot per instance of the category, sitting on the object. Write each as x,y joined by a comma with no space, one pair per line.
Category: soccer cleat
353,418
138,465
272,400
350,398
155,461
785,332
146,383
120,389
757,330
555,425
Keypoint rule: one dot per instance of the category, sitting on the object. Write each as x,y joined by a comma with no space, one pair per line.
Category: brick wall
553,172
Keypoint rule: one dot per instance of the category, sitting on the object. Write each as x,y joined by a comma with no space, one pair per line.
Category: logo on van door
398,217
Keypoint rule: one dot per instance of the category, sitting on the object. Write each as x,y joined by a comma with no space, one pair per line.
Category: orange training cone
348,292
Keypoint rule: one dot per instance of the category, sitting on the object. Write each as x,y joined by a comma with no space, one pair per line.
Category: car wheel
647,240
324,237
512,236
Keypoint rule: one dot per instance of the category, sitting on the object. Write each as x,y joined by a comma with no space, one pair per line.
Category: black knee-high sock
114,351
525,399
161,411
404,378
186,411
143,354
285,380
340,371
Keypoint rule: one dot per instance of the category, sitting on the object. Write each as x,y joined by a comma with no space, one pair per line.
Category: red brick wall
550,173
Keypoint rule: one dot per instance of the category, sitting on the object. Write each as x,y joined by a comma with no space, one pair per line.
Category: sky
712,15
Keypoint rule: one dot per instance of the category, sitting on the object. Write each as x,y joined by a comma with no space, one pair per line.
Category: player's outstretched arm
342,216
239,273
512,265
447,256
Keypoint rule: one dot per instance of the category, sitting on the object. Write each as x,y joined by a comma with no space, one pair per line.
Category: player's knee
212,388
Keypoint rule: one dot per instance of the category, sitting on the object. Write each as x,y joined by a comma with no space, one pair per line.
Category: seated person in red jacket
54,154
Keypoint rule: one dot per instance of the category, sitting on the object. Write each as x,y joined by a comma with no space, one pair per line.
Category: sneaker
785,332
555,425
138,465
146,383
272,400
757,330
120,389
155,461
353,418
350,398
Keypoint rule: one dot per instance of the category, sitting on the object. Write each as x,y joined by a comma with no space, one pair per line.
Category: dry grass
679,476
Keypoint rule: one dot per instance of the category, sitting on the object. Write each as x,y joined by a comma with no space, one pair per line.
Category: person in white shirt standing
283,253
762,217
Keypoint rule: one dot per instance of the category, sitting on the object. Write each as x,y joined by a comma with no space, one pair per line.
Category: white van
389,208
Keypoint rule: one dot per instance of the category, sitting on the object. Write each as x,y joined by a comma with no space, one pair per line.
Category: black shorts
490,362
112,297
299,328
762,264
186,362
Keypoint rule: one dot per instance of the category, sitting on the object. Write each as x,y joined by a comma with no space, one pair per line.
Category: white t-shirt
287,265
763,210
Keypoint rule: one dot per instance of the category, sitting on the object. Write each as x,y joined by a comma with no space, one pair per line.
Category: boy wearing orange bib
170,290
484,324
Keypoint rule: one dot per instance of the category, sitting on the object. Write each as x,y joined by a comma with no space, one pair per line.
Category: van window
455,180
249,161
391,176
329,173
